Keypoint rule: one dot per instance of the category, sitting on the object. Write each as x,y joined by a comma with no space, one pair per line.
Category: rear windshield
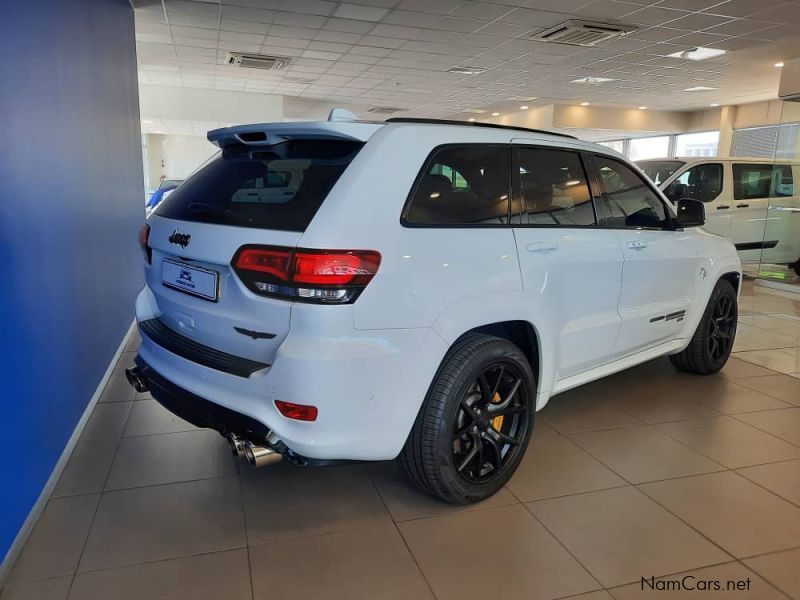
659,170
276,187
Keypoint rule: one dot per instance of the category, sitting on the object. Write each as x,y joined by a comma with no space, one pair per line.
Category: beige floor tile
621,534
784,423
149,417
214,576
736,368
510,556
731,442
782,387
598,595
106,421
405,502
773,322
729,396
643,454
782,478
761,339
782,361
555,466
780,568
285,501
54,547
587,408
735,513
663,406
362,564
165,521
44,589
732,579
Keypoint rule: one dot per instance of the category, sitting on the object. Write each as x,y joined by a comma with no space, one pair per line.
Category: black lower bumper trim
198,353
199,411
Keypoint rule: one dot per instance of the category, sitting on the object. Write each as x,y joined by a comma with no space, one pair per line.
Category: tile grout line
246,530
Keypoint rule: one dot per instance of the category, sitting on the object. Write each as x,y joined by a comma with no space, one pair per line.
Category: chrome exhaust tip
236,444
259,456
134,377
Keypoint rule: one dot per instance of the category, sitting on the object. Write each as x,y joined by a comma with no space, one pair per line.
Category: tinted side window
783,181
463,185
626,200
751,181
703,182
554,188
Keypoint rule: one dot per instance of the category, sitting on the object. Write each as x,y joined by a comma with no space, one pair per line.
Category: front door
659,263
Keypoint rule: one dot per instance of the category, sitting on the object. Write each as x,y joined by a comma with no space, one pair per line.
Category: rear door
751,188
262,195
660,263
571,268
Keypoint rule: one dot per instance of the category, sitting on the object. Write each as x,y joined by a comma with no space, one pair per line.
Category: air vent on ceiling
384,110
256,61
583,33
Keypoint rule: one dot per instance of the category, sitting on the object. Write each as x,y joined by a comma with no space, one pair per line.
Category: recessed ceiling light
467,70
698,53
524,107
699,88
642,108
778,64
495,114
714,104
471,119
592,80
584,104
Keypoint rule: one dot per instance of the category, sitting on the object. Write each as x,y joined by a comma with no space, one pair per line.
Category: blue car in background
164,188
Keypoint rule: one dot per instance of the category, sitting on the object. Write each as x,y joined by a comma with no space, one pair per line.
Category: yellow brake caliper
497,422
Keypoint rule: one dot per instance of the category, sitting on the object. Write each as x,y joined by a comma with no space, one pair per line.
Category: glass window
463,185
697,144
782,181
751,181
274,187
553,187
617,145
703,182
627,201
659,170
652,147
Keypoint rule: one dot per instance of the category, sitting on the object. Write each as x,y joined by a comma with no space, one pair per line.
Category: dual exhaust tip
257,456
134,377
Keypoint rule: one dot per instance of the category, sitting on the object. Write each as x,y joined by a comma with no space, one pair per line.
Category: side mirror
691,213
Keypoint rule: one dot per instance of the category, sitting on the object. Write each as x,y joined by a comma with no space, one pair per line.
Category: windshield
659,170
270,187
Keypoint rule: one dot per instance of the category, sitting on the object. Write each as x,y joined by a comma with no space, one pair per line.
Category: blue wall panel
71,203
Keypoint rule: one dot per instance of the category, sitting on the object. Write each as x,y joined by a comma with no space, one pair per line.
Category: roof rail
474,124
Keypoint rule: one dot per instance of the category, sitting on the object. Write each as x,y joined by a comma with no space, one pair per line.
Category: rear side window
783,182
553,187
751,181
462,185
703,183
273,187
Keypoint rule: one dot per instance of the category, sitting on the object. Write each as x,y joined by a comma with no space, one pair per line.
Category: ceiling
396,53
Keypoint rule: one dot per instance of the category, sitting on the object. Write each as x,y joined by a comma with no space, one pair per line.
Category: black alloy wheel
722,328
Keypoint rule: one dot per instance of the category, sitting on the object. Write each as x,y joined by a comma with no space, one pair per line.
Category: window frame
670,224
688,168
426,166
516,184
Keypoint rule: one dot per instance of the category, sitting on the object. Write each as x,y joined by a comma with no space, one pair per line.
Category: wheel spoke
497,383
473,451
497,408
502,437
496,449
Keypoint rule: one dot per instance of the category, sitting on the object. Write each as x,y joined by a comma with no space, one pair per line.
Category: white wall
176,156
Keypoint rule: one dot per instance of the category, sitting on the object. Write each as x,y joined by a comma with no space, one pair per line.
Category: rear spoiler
267,134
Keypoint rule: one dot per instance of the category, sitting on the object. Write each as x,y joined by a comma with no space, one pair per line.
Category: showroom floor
647,473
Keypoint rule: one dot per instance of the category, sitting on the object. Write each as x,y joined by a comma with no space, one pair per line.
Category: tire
796,267
713,339
457,421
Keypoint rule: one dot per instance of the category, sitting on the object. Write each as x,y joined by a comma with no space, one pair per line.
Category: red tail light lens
144,242
298,412
321,276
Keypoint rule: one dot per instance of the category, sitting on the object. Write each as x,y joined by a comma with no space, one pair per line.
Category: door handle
723,207
637,245
541,247
742,206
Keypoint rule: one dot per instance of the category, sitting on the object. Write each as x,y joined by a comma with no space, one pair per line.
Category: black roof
475,124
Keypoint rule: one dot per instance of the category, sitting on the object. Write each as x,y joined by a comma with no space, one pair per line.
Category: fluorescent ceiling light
524,107
471,119
495,114
714,104
584,104
778,64
699,88
592,80
147,121
642,108
698,53
467,70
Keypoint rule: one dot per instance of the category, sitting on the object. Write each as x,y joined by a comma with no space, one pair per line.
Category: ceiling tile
360,13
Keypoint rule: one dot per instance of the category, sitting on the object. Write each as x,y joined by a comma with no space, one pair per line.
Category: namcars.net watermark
692,583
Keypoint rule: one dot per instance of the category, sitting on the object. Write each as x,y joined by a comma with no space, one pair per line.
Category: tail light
298,412
144,242
319,276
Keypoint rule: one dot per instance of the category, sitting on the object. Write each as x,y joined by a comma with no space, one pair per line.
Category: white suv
350,290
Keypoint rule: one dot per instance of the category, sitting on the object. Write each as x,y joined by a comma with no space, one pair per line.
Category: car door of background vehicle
783,218
571,268
751,188
660,262
710,183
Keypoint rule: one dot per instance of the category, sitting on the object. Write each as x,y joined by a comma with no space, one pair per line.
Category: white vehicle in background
755,202
363,291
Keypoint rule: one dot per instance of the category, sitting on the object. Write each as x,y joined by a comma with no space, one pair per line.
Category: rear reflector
320,276
298,412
